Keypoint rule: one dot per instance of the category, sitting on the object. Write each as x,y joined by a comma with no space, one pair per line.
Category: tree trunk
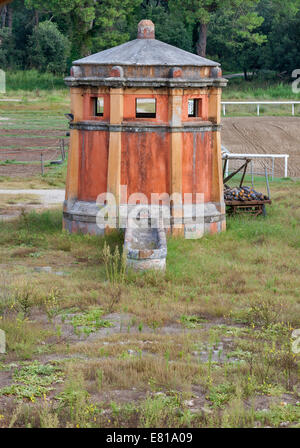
3,16
246,75
10,18
202,39
36,17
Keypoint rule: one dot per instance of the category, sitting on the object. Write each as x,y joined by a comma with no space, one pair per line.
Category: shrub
8,51
48,48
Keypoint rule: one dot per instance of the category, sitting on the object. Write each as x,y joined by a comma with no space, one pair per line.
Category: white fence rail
258,104
234,156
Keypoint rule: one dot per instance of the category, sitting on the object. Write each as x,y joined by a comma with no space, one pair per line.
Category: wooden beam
236,171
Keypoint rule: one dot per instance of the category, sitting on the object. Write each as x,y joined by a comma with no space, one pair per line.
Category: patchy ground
15,202
207,344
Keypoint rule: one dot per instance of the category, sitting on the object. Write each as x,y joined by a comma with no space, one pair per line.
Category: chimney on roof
146,30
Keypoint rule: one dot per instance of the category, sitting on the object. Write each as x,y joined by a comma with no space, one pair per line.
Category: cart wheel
264,210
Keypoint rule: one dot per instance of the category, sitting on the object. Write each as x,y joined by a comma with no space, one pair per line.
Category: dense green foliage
48,48
244,35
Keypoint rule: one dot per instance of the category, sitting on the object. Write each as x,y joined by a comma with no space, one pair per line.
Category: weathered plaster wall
197,163
93,162
145,165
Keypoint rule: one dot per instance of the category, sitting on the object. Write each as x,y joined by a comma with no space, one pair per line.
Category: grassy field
32,80
207,344
261,89
39,115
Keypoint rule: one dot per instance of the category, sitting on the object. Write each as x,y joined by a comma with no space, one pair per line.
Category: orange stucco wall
162,113
88,106
145,165
197,163
93,160
129,107
146,156
204,114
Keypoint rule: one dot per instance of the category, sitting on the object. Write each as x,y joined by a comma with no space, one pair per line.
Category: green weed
33,380
115,264
89,321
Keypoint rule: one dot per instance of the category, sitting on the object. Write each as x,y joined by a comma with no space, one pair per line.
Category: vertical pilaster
77,103
72,181
214,105
77,109
115,144
175,120
217,175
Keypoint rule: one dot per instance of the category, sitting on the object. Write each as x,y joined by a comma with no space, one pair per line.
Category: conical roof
146,51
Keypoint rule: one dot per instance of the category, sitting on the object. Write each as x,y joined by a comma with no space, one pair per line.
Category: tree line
243,35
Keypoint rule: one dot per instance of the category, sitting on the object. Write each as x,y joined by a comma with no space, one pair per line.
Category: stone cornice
145,82
204,126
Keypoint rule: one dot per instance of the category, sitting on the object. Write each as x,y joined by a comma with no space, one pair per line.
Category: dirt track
27,146
265,135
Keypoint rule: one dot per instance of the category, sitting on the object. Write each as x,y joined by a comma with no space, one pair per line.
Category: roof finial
146,30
